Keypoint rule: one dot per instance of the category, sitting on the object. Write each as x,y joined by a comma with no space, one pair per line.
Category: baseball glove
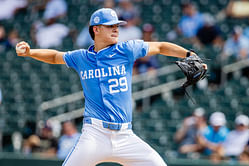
193,68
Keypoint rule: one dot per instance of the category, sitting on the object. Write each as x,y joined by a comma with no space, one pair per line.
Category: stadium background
26,84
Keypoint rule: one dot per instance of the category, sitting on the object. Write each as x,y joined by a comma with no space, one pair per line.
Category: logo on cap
96,20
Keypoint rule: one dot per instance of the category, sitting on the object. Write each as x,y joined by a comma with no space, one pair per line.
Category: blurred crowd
211,138
197,135
47,144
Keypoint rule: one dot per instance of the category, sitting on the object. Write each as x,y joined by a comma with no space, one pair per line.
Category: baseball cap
242,120
105,16
217,119
199,112
208,19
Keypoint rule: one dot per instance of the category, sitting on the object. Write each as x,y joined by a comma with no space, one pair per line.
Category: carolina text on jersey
103,72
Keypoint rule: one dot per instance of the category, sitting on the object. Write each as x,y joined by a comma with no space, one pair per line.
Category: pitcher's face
108,33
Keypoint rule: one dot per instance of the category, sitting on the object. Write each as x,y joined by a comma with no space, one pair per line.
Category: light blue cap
105,16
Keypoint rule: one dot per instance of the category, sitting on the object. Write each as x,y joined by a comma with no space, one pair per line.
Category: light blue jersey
106,78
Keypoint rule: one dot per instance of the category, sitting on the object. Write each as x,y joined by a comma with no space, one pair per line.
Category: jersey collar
91,49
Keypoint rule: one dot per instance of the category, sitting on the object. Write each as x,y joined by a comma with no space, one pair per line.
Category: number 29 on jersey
118,85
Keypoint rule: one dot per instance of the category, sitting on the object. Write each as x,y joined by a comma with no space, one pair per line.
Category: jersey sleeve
136,49
71,58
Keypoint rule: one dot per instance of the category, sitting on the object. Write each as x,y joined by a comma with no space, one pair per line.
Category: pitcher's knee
157,160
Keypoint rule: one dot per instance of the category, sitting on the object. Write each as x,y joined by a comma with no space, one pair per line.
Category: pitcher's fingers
205,66
21,46
21,43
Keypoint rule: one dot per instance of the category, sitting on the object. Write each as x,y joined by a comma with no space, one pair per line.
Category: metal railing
235,66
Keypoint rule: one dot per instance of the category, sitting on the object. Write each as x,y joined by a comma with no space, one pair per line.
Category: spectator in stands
237,139
210,33
244,157
214,135
67,140
129,31
130,13
237,45
149,63
190,21
187,134
127,7
13,38
84,39
55,9
108,4
4,42
31,145
8,8
149,32
49,34
44,145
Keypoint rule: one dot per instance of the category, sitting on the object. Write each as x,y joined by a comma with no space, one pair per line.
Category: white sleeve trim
147,49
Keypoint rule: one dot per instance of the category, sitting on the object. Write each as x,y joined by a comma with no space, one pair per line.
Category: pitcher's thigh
139,153
81,155
87,152
152,159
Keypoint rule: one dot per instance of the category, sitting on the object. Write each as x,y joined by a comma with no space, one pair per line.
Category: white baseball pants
97,144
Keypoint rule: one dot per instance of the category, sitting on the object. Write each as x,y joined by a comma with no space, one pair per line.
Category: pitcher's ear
95,29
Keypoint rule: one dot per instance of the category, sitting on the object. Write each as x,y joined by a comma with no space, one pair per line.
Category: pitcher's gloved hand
193,68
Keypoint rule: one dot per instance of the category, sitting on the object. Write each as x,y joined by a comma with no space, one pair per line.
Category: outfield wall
10,159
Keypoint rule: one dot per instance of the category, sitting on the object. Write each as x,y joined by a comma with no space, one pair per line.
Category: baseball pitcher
105,71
